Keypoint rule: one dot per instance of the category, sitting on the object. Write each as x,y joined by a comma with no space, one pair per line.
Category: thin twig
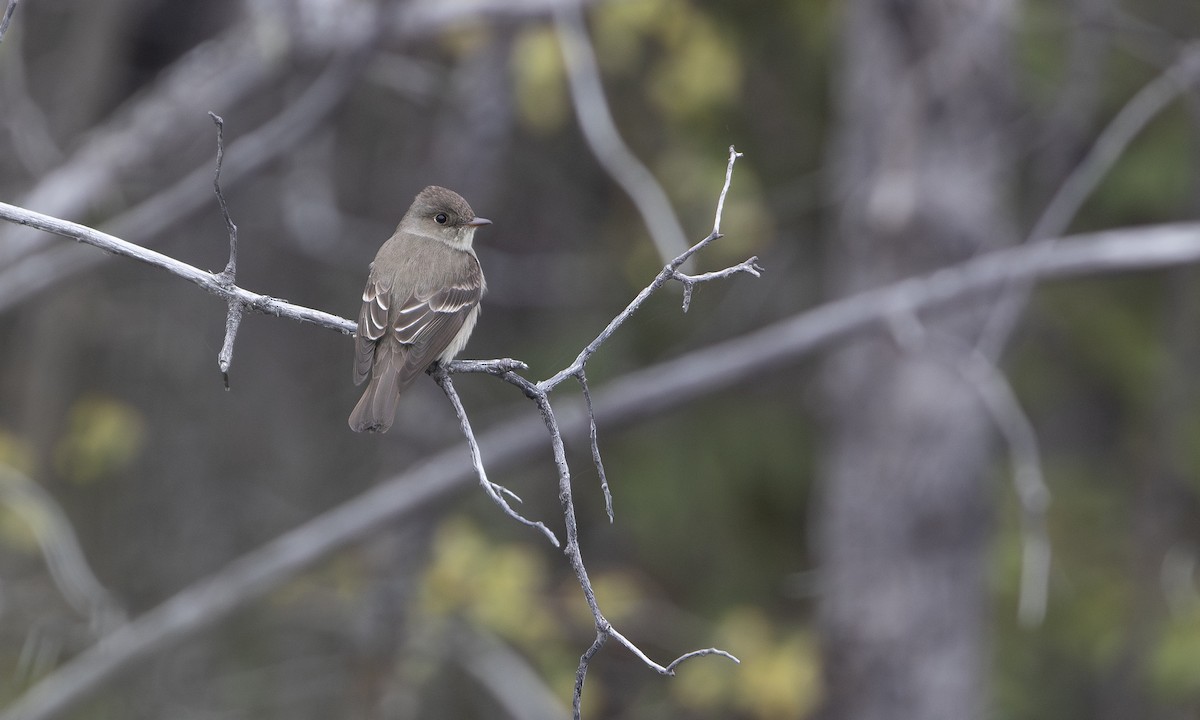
750,267
233,320
594,437
498,367
733,156
585,662
494,491
228,276
230,271
670,272
670,669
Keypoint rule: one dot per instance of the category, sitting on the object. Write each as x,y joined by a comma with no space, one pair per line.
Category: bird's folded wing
423,325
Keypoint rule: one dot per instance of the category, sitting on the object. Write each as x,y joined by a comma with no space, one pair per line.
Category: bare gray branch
670,272
494,491
209,281
228,276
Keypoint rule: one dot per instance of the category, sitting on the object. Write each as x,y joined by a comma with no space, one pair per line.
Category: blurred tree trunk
922,171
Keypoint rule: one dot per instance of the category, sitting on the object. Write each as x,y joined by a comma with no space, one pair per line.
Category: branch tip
670,669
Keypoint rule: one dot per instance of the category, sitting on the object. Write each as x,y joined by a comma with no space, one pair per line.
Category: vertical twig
733,156
228,276
592,433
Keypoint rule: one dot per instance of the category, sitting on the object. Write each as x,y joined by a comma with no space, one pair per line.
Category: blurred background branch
596,121
60,547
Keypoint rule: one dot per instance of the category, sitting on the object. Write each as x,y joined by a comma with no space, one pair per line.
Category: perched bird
420,304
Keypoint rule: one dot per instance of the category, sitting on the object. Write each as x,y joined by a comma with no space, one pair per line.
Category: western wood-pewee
420,304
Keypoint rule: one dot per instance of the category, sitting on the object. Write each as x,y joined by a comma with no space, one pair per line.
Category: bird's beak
476,222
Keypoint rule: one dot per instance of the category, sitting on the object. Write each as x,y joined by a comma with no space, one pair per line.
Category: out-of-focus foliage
103,437
781,675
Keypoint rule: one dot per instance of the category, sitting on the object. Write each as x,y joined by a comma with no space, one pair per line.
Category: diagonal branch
670,272
228,276
207,280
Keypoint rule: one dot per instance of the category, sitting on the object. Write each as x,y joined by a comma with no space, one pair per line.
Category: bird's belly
460,340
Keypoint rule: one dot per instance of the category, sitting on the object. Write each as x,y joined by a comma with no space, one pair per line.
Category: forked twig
494,491
669,272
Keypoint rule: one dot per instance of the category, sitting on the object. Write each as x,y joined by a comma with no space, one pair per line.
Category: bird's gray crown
433,199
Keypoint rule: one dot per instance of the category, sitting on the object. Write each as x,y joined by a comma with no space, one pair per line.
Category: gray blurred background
845,524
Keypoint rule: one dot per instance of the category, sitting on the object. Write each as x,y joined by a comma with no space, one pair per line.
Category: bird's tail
376,409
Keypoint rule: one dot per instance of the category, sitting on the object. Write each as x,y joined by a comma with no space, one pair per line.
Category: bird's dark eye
441,218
